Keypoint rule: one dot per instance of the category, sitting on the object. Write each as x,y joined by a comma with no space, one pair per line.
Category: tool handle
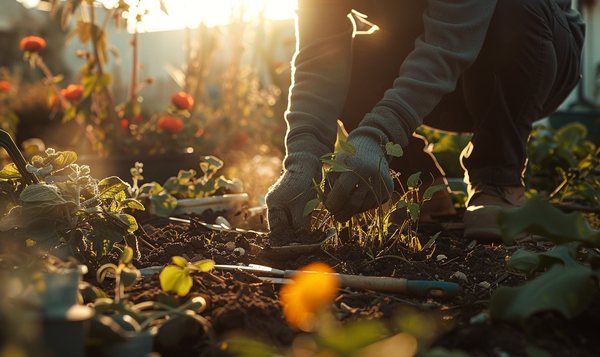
395,285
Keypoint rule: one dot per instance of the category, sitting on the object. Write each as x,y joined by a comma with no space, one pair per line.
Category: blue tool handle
433,288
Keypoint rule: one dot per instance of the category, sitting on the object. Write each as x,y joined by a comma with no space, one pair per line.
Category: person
486,67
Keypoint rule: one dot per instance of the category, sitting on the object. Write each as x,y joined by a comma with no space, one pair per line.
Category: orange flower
73,92
33,44
308,295
199,132
4,86
182,100
125,123
170,124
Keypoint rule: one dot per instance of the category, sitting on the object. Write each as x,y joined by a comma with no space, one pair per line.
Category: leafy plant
564,279
377,222
145,315
68,209
176,277
187,185
564,164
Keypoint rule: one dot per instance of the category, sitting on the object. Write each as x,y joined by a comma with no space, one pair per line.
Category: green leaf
353,336
431,241
337,166
203,265
394,150
64,159
133,204
40,192
431,190
179,261
111,186
184,176
413,181
348,148
10,172
310,206
538,216
414,211
530,262
175,279
129,276
164,204
126,255
568,291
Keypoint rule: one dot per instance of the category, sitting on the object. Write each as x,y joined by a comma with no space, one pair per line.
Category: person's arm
454,34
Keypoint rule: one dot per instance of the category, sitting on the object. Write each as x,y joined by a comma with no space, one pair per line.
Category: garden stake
376,283
8,143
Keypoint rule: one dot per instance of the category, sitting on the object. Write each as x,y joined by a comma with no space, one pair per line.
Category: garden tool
376,283
8,143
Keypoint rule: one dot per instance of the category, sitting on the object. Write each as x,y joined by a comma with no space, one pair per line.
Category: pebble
460,276
441,257
230,246
239,251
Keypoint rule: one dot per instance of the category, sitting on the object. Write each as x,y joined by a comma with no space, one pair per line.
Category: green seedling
176,277
377,220
68,209
187,185
142,316
564,279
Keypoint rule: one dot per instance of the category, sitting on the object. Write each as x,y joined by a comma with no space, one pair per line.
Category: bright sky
192,12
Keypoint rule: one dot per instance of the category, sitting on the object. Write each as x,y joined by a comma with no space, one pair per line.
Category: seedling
176,277
187,185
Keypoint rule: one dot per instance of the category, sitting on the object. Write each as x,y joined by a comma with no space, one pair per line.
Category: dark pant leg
376,61
529,63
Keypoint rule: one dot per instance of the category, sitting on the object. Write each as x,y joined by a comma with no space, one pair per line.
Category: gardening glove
287,198
349,194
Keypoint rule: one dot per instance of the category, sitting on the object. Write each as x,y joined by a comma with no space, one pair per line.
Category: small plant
187,185
563,279
377,222
150,314
563,164
68,209
176,277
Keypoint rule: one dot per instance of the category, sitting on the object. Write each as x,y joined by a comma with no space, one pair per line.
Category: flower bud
33,44
182,101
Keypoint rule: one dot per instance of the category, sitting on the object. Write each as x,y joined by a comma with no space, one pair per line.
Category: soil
240,302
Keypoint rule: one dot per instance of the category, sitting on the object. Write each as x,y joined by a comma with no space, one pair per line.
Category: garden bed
240,303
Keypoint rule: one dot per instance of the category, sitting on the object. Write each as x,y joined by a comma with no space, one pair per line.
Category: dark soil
240,302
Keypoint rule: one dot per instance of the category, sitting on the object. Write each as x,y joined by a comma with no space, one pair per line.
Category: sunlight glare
191,13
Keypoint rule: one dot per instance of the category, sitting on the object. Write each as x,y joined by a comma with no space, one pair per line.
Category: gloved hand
349,194
287,198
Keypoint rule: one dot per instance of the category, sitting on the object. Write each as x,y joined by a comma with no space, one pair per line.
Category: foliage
142,316
447,149
564,164
8,119
214,112
176,277
68,209
373,227
187,185
569,273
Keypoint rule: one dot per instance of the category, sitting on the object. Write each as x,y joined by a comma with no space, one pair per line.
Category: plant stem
134,70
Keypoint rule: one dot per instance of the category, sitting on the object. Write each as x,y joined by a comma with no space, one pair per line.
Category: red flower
170,124
33,44
125,123
4,86
199,132
73,92
138,118
182,100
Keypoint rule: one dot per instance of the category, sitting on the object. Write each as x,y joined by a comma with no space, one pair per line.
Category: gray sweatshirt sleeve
453,36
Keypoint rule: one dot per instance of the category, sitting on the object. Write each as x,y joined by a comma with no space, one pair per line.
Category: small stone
441,257
484,284
230,246
460,276
239,251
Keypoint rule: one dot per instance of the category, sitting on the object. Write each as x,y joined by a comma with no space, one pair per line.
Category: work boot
484,204
440,205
